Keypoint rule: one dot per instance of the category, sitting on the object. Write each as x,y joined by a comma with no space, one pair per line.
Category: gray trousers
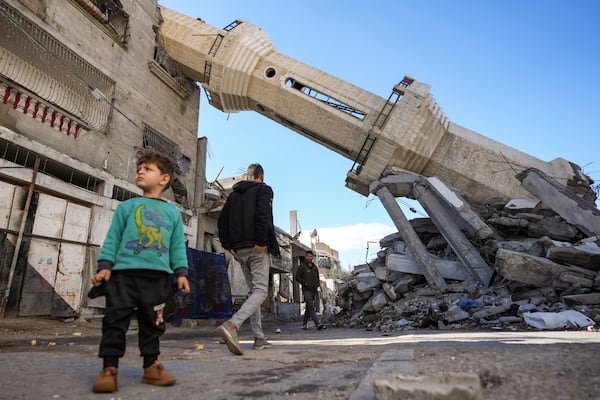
255,266
310,312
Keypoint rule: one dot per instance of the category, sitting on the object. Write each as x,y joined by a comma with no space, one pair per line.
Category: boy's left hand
183,284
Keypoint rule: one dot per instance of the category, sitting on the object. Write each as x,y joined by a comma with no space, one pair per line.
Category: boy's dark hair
254,171
165,164
309,252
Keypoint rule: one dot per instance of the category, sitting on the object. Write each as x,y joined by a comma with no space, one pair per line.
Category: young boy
144,245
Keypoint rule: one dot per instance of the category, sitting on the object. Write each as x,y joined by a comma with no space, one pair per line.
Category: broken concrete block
522,204
576,299
443,386
366,285
382,273
553,228
536,271
375,303
389,291
404,284
378,301
510,319
528,246
447,268
455,313
491,311
562,200
509,222
585,253
390,240
576,279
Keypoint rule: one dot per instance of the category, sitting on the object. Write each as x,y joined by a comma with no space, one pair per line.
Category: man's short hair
309,252
254,171
165,164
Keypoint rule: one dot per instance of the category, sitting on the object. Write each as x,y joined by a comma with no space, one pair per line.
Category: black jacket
308,276
247,217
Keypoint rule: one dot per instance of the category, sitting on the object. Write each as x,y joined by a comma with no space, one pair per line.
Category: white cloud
350,237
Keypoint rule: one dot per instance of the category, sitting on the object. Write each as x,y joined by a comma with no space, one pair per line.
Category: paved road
330,364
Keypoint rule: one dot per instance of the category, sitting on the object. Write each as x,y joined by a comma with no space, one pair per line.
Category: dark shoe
304,326
106,381
157,375
320,326
229,334
260,344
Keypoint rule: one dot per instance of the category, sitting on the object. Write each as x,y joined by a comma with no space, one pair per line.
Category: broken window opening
179,82
109,14
154,140
313,135
122,194
232,25
406,82
324,98
25,158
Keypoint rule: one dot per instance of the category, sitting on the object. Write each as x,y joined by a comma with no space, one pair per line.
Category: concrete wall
68,220
139,98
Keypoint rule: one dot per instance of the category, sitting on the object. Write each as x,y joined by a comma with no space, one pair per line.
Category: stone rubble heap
546,276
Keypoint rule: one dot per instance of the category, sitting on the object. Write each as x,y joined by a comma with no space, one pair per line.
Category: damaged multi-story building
83,86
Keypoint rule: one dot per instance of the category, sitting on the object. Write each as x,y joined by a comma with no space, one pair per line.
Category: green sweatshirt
145,233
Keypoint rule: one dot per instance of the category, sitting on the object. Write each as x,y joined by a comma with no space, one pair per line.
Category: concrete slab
390,363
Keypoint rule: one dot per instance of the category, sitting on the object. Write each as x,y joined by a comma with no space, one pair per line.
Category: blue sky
524,73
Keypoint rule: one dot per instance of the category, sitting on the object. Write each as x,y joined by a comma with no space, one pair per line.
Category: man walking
246,230
308,276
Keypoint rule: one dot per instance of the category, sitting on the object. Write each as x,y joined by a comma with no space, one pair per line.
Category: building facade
83,87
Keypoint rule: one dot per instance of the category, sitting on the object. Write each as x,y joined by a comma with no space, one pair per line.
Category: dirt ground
566,368
533,372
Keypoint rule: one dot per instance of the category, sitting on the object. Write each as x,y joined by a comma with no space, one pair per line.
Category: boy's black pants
141,292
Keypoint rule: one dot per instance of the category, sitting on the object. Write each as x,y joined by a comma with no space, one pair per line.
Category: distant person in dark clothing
308,276
246,230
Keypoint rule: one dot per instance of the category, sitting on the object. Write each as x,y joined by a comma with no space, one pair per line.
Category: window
169,71
109,15
154,140
26,158
122,194
324,98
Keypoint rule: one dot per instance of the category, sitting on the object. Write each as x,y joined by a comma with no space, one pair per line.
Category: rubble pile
545,276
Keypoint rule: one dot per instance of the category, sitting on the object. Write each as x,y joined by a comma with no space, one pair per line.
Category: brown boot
157,375
106,381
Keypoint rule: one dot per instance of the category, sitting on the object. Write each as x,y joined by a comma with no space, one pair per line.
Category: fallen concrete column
540,271
468,219
448,269
433,277
438,211
562,200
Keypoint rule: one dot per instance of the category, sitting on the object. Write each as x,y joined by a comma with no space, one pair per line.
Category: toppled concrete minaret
240,70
